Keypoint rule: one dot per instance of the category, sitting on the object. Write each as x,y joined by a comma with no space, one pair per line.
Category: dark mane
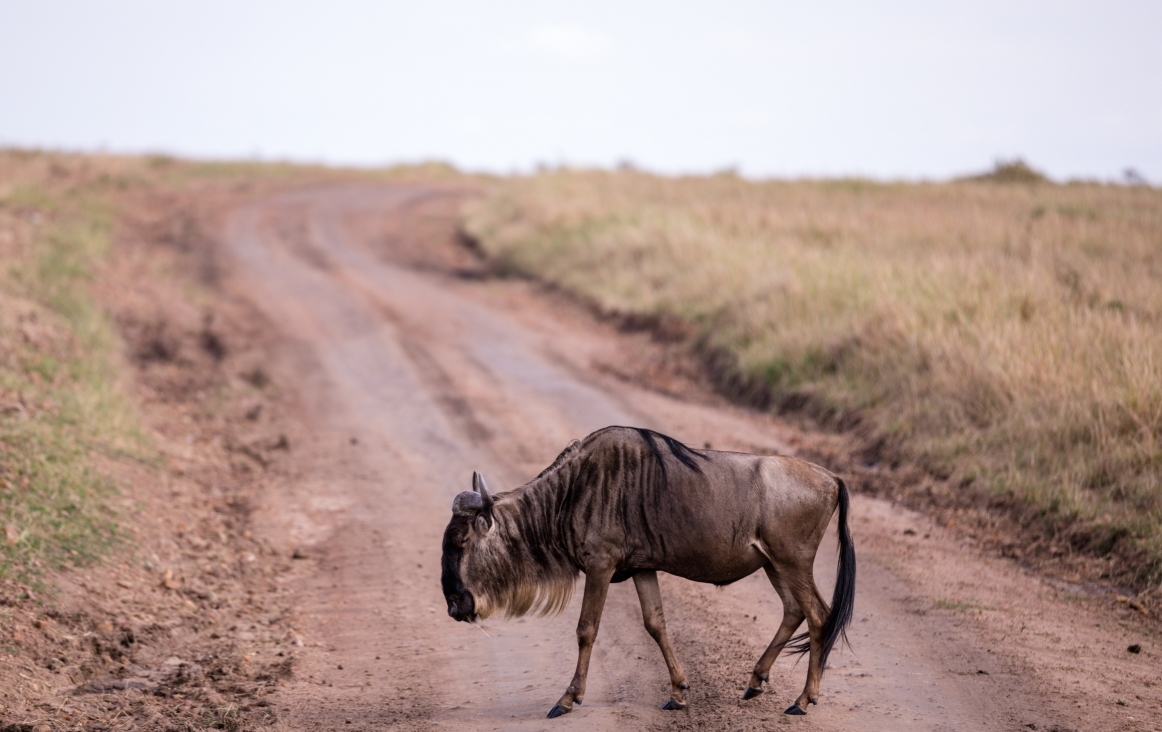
572,448
529,563
684,454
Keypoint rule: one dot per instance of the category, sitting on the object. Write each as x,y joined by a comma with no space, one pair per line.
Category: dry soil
409,367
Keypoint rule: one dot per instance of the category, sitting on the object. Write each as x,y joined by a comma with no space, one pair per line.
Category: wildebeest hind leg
650,596
807,595
596,588
792,619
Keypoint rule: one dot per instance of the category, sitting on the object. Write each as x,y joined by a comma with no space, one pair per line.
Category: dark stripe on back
684,454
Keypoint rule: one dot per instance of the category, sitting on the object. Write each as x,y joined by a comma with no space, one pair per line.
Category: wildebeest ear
467,503
484,522
481,487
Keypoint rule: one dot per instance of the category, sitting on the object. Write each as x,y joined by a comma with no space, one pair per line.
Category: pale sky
885,89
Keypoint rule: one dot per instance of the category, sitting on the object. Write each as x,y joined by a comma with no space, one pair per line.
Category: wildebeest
629,502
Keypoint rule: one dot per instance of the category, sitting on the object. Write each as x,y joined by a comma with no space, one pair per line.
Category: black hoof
794,709
558,710
751,692
672,705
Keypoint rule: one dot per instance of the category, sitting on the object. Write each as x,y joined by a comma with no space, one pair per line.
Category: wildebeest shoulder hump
568,452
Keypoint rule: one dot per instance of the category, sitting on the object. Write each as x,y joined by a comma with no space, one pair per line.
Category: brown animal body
629,502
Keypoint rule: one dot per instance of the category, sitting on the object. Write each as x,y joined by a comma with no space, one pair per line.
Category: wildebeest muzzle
462,608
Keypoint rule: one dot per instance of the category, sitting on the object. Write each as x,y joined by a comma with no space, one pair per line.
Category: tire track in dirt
409,381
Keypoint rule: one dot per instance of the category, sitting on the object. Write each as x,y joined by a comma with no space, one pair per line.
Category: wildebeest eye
484,522
460,538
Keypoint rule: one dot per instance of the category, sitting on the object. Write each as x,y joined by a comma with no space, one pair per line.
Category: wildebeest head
471,521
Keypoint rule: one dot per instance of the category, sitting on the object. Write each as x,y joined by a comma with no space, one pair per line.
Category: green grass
61,405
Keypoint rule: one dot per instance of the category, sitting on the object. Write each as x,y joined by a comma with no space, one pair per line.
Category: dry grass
1006,336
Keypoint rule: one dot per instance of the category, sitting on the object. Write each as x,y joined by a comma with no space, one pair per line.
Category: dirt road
409,379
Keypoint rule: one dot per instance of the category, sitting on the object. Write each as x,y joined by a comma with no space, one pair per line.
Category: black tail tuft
843,599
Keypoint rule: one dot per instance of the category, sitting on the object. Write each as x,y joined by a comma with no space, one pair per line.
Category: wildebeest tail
843,599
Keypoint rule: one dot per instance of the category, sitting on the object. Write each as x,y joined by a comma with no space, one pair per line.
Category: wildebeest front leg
650,596
596,588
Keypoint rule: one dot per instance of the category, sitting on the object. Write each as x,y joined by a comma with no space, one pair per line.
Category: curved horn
467,504
481,487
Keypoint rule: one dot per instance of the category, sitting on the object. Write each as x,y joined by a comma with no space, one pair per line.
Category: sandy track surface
409,378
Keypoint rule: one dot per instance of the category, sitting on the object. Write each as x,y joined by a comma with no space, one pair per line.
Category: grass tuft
957,605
